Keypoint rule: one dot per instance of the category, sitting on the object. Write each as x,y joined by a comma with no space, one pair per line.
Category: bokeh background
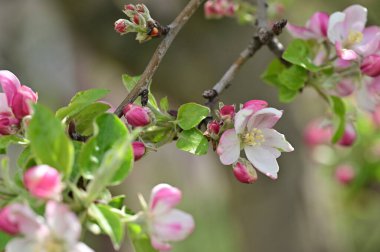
59,47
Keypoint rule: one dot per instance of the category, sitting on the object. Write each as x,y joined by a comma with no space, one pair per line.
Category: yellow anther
254,137
354,37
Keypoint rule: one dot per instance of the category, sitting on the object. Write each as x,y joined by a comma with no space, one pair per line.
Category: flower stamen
254,138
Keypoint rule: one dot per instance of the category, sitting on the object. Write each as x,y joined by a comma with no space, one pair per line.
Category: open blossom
166,224
315,28
43,182
346,30
58,231
253,132
14,102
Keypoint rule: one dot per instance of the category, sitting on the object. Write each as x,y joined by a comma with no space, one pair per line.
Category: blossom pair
15,102
252,131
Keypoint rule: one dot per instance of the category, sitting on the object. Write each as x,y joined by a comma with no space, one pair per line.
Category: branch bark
159,54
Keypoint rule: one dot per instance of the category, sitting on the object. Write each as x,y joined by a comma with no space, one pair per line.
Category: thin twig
158,55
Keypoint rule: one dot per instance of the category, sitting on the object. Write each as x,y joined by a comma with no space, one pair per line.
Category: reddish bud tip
138,150
344,174
244,172
213,127
121,26
349,136
129,7
136,116
256,105
227,111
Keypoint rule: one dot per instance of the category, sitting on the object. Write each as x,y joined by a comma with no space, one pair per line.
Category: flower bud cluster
215,9
138,21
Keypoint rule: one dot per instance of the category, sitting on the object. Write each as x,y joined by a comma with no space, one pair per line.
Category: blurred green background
61,46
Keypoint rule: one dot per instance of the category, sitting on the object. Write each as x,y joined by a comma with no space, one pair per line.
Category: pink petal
241,119
345,54
264,118
10,84
263,159
229,147
244,172
276,140
370,42
160,245
301,32
175,225
318,24
356,18
163,198
335,30
371,65
28,222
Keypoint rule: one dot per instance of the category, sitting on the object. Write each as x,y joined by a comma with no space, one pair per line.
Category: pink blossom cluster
219,8
249,130
15,103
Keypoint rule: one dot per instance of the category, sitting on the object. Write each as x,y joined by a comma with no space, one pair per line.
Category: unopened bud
213,127
138,150
130,7
136,116
316,133
244,172
344,174
227,111
43,182
371,65
256,105
7,224
121,26
349,135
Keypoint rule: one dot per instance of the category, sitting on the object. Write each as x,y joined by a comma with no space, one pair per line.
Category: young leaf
84,120
339,110
271,74
109,129
164,104
192,141
293,78
191,114
109,222
117,201
140,240
287,95
48,141
80,101
4,239
298,53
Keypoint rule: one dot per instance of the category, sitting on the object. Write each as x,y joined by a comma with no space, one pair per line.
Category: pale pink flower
137,116
371,65
255,104
317,132
138,150
253,132
244,172
166,224
346,30
344,174
58,231
368,96
43,182
315,28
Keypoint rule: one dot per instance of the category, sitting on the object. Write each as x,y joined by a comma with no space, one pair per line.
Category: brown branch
158,55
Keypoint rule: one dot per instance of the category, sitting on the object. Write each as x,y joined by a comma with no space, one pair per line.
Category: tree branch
158,55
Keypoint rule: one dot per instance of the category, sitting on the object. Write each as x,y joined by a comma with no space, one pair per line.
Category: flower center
53,245
354,37
253,138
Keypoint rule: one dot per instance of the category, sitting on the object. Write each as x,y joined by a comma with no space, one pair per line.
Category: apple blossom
368,96
227,111
7,224
43,182
346,30
253,132
344,174
213,127
164,223
121,26
58,231
315,28
255,104
138,150
244,171
349,135
137,116
317,133
219,8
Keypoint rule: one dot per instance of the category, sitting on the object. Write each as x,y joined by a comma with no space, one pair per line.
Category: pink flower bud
371,65
227,111
21,104
136,19
43,182
213,127
244,172
129,7
349,135
136,116
256,105
121,26
8,124
344,88
7,224
344,174
316,133
138,150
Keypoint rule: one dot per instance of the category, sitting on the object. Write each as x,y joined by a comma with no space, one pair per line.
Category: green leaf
140,240
164,104
48,141
287,95
117,201
109,129
156,134
4,239
293,78
84,120
298,53
192,141
191,114
271,74
109,222
80,101
5,141
339,110
25,159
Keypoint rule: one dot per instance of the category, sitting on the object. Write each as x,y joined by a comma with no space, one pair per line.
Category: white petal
229,147
277,140
356,18
264,118
335,30
160,245
263,160
175,225
241,119
81,247
29,223
21,244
